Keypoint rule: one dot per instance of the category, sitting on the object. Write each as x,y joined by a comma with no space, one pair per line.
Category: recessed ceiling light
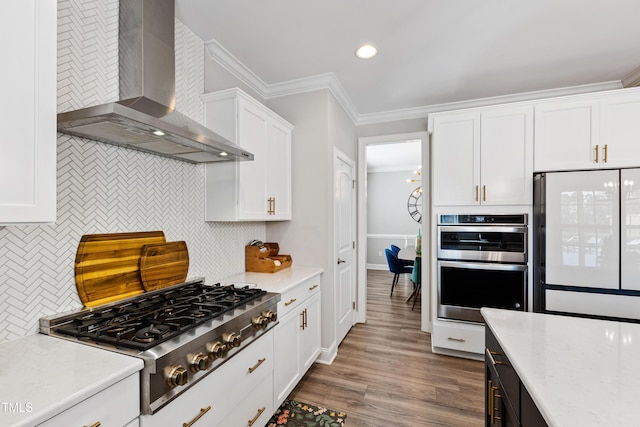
223,154
366,51
158,133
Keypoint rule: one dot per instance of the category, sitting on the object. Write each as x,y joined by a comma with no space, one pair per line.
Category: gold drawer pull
313,287
193,421
456,339
494,361
98,424
254,367
260,411
291,301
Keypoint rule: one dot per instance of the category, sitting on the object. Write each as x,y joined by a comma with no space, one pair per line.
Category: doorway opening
393,205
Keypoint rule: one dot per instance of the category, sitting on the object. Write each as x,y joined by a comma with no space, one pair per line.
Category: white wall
388,219
320,124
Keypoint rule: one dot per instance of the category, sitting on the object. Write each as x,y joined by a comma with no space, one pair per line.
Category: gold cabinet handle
313,287
597,153
302,320
254,419
291,301
254,367
456,339
193,421
484,193
492,392
489,397
305,318
97,424
476,193
494,362
606,150
272,205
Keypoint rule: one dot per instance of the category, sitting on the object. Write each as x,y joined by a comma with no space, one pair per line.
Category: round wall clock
414,205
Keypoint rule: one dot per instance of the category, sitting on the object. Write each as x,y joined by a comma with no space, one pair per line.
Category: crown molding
319,82
226,60
423,112
632,79
329,81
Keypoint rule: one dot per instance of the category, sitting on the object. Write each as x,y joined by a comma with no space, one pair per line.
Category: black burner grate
148,320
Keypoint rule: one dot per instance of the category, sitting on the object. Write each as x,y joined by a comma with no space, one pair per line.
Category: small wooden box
264,261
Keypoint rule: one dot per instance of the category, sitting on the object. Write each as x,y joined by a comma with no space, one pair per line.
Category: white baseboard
327,355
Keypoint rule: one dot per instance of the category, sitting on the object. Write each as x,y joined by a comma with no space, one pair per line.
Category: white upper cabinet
258,190
566,135
620,129
597,130
28,112
483,157
507,156
456,159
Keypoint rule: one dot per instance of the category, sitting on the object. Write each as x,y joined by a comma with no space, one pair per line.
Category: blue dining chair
396,251
396,267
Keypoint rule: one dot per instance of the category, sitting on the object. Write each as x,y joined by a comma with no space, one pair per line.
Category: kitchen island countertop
42,376
580,372
279,282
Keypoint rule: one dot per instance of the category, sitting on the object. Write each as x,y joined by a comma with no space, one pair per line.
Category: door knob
341,261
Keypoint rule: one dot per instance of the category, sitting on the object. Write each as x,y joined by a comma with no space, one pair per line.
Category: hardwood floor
385,374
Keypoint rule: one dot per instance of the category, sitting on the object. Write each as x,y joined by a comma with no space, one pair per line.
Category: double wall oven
482,262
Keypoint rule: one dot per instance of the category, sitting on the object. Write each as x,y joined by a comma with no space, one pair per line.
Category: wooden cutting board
163,264
107,265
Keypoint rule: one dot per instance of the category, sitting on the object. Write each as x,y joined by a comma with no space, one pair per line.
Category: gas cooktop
158,316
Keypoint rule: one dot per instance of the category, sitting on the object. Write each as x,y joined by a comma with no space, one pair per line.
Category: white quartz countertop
579,372
279,282
41,376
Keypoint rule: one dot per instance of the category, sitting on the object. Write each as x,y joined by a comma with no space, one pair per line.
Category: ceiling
433,54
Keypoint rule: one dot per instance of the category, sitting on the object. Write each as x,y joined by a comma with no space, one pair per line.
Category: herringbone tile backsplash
107,189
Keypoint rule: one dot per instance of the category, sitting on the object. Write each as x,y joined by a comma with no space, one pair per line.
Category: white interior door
344,241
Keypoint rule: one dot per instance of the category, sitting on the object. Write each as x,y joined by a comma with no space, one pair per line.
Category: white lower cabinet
457,338
297,336
115,406
225,395
255,409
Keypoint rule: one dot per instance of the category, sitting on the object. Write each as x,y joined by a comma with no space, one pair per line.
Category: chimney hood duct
144,118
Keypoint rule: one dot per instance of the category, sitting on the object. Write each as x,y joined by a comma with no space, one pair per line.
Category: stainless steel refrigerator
586,256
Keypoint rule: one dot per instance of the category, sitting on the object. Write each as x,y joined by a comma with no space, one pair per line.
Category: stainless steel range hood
144,118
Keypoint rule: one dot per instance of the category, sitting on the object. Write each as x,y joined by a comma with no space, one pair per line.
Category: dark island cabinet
507,400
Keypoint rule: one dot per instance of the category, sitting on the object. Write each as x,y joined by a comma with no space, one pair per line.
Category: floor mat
293,414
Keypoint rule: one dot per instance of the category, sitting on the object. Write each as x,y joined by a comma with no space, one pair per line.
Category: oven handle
484,228
483,265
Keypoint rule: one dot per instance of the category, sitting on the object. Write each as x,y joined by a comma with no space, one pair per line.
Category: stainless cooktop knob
176,375
199,362
259,322
271,316
232,339
217,350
